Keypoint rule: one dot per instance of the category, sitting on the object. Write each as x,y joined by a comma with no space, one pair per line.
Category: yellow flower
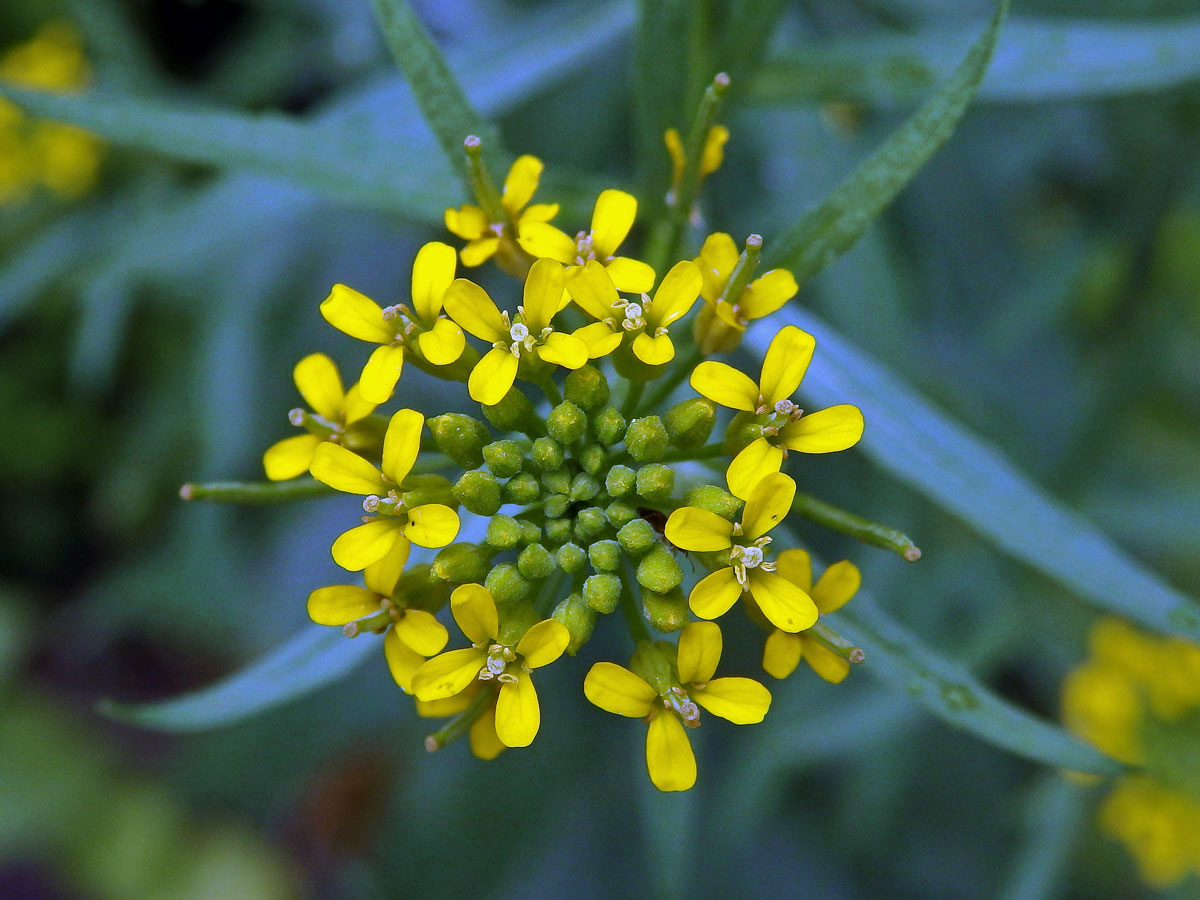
482,734
430,525
412,634
645,321
529,337
1160,827
440,341
761,297
787,606
484,237
611,220
670,707
490,657
782,651
710,159
334,412
784,365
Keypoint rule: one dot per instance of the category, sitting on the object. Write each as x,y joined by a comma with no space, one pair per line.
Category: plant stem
255,493
855,526
462,723
629,407
831,640
633,615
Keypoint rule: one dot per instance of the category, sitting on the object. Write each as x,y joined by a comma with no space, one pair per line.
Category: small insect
658,521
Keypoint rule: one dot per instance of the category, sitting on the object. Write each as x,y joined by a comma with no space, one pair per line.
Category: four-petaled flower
786,361
786,605
710,158
430,524
484,237
761,297
506,659
670,707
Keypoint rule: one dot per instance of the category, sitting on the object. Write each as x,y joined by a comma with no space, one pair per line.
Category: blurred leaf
928,450
1036,61
1055,814
660,79
828,231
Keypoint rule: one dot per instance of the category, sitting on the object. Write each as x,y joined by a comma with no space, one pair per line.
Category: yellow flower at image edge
669,757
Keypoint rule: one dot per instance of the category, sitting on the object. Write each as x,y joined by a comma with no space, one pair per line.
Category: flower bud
462,563
584,487
690,422
589,522
514,412
547,454
556,505
559,531
715,500
619,513
602,592
592,458
620,480
521,489
504,458
566,423
421,589
608,426
605,556
658,571
655,483
742,430
571,558
578,618
503,532
587,388
666,612
637,537
646,439
460,437
506,584
556,482
479,492
422,489
535,562
531,533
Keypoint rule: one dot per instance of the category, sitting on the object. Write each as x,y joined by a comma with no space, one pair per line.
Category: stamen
370,503
519,332
677,700
785,407
296,416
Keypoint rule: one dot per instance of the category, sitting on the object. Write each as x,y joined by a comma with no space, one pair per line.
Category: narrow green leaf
923,447
1055,813
828,231
660,76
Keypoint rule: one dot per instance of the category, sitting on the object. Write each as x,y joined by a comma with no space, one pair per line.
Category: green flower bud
559,531
422,489
619,513
460,437
521,489
592,458
589,522
608,426
715,500
504,458
637,537
556,505
605,556
531,532
513,413
566,423
620,480
479,492
535,562
587,388
655,483
462,563
420,589
666,612
658,571
503,533
578,618
584,487
602,592
556,482
646,439
742,430
690,423
571,558
547,454
506,584
515,620
652,663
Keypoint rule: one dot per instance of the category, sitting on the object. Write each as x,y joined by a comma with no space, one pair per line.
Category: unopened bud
589,523
556,505
566,423
655,483
531,532
602,592
578,618
547,454
462,563
506,584
666,612
637,537
503,532
608,426
559,531
658,571
587,388
592,458
620,480
714,499
605,556
584,487
742,430
460,437
503,458
690,422
556,482
571,558
479,492
514,412
535,562
620,513
646,439
521,489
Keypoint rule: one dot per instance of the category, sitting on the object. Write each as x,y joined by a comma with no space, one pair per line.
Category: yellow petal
470,306
630,275
543,241
611,220
290,457
431,525
714,594
475,612
718,256
402,443
492,376
675,296
538,212
380,374
518,716
742,701
319,384
692,528
566,350
786,606
616,690
824,661
345,471
433,270
402,661
725,385
837,585
482,736
357,548
767,293
653,351
781,654
421,632
543,291
467,222
592,289
675,151
442,344
521,182
354,407
714,150
785,363
756,460
381,577
357,315
824,431
699,652
669,757
543,643
477,252
767,505
448,706
448,673
600,339
796,566
341,603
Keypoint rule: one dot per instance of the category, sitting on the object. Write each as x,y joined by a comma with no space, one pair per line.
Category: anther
296,416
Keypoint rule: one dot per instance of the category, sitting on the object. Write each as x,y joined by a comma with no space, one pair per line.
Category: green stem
743,270
633,616
255,493
831,640
708,451
461,724
550,389
689,182
855,526
672,381
482,184
629,407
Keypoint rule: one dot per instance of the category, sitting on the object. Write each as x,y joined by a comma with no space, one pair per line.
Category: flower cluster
595,494
1137,698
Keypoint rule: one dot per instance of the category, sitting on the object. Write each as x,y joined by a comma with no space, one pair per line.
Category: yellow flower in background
530,335
430,525
710,159
440,341
783,651
762,296
491,657
671,708
645,321
484,237
786,605
612,219
317,379
412,636
788,428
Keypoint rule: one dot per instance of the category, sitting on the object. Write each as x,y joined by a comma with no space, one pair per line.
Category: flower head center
519,332
496,664
585,247
752,557
677,700
785,407
742,558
